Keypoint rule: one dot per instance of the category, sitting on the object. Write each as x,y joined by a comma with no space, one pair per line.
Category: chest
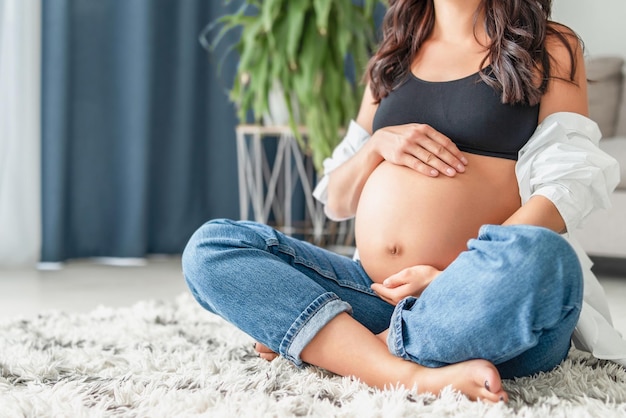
468,111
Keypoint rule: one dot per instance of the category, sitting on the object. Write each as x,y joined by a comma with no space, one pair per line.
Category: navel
394,250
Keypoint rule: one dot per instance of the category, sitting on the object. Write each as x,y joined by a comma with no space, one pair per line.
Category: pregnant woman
458,281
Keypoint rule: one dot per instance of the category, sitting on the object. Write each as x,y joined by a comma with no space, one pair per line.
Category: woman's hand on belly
407,219
421,148
410,281
418,148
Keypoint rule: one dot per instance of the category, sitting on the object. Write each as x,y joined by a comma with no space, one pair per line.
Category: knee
193,255
202,270
551,257
532,254
197,245
212,249
207,241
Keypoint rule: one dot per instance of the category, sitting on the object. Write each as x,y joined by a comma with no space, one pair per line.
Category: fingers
437,152
390,296
393,281
426,150
412,161
410,281
409,275
445,149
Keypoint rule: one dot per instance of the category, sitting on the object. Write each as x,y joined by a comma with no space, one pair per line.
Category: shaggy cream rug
172,359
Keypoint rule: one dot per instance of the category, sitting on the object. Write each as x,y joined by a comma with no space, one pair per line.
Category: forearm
347,181
538,211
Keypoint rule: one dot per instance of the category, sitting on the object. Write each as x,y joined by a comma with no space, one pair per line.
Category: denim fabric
277,289
512,298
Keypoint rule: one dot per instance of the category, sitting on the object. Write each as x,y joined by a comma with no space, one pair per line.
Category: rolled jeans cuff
315,317
395,339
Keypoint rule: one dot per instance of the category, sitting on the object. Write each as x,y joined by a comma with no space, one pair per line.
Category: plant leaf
303,45
296,12
270,9
322,10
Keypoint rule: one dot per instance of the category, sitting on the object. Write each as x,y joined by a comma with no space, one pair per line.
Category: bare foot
477,379
265,352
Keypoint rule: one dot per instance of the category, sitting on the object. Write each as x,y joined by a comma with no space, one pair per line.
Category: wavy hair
517,30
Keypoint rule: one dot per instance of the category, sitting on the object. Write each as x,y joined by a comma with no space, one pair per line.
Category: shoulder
567,79
565,50
559,29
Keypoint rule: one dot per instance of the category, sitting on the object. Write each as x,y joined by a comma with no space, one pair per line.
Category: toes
503,396
492,391
268,356
487,396
264,352
492,382
489,383
261,348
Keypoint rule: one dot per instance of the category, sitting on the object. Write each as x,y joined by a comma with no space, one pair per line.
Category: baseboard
609,266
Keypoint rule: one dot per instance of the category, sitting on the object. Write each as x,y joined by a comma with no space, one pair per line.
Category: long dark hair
518,30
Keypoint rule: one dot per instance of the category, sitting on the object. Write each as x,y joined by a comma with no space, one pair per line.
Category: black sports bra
467,111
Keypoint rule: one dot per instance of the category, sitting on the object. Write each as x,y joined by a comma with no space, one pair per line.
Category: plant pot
278,111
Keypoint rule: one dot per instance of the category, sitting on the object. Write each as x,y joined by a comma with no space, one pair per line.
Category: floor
82,285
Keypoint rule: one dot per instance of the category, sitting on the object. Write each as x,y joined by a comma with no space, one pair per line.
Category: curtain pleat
138,139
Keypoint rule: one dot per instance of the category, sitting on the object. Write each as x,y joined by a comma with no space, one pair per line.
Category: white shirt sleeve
562,162
351,143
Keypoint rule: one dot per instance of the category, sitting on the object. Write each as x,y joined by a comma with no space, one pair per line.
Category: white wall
600,23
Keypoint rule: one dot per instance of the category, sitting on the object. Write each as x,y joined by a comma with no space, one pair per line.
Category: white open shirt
562,162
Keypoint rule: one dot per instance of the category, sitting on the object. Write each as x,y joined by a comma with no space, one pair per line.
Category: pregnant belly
405,218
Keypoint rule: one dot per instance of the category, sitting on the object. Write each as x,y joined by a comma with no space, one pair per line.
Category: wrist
373,154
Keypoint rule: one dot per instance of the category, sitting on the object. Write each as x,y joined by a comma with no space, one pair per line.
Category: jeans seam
322,272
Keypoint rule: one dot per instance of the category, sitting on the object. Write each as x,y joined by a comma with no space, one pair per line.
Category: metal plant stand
269,185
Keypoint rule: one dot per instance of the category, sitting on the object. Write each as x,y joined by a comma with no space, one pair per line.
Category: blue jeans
513,297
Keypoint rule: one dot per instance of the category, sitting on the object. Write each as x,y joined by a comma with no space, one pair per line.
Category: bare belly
405,218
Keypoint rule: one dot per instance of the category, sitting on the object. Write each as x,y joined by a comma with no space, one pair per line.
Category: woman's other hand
408,282
421,148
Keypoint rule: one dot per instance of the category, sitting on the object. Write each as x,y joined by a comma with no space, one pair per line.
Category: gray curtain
138,143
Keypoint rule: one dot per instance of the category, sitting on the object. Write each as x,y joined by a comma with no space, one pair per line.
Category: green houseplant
306,48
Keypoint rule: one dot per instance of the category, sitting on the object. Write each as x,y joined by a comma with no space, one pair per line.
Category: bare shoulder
565,49
567,85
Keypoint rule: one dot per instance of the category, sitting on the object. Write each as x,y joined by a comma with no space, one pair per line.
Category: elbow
337,214
337,211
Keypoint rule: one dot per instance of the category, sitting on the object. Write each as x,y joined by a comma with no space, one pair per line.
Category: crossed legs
315,307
